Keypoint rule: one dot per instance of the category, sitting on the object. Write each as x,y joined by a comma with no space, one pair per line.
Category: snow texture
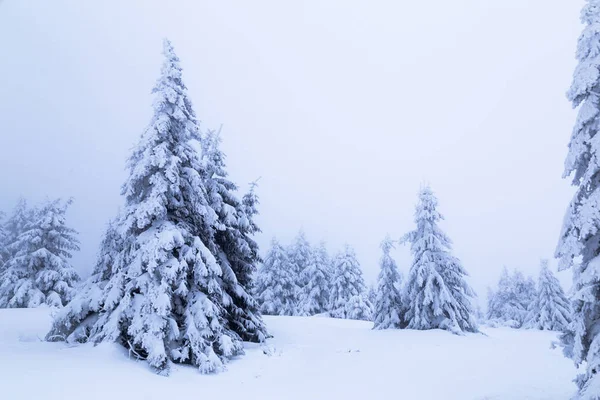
308,358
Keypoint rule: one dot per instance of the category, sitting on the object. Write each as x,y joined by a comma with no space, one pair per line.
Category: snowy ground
312,358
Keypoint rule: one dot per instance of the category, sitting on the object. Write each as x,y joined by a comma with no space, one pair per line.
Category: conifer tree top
427,235
165,171
387,244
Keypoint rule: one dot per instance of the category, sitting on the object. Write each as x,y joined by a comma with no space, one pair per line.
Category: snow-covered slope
309,358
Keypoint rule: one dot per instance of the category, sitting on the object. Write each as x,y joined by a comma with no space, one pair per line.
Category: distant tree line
303,280
300,280
518,303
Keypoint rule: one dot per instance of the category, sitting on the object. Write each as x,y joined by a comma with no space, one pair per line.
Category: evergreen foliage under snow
236,252
388,307
314,295
276,288
437,292
3,251
550,310
579,244
166,284
37,270
299,256
348,292
14,226
511,302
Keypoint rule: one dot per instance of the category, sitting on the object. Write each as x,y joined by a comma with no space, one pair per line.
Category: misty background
343,108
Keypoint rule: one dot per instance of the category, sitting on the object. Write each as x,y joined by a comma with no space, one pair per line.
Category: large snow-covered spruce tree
579,243
550,310
38,270
437,292
237,253
162,284
276,288
388,307
314,295
348,297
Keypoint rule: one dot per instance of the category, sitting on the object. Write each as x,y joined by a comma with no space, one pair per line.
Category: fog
342,108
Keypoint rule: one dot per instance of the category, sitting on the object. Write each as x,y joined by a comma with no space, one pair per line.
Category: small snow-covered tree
479,315
159,287
437,292
299,255
359,307
314,295
551,309
15,226
38,270
501,302
237,253
579,244
388,305
372,295
276,284
510,303
348,292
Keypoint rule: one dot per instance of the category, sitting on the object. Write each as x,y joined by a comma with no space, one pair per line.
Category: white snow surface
308,358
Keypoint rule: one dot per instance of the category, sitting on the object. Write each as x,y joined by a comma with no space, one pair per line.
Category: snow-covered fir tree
237,253
38,270
550,310
162,284
437,292
359,307
348,291
511,302
15,225
388,305
276,288
579,243
372,295
299,255
479,315
314,295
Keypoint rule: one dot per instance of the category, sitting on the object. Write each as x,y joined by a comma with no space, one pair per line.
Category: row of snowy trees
301,280
519,304
304,280
173,278
35,247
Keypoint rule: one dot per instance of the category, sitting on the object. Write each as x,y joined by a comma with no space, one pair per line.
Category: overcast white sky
342,107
